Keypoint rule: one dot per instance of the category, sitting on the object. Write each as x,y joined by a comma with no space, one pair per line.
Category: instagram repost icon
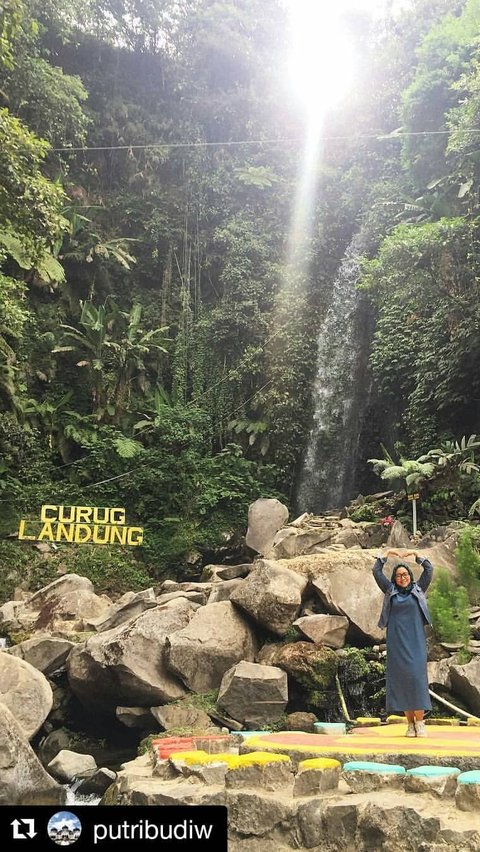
64,828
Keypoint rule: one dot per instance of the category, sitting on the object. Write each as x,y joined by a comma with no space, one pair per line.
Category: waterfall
74,798
340,393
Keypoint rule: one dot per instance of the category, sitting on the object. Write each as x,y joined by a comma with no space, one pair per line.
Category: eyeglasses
399,576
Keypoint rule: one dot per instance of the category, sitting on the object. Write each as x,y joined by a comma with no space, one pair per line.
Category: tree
468,563
449,607
426,350
443,56
30,204
11,16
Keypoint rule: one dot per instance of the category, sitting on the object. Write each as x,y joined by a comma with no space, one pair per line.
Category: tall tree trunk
166,285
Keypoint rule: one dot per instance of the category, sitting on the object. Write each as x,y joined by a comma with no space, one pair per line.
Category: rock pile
261,640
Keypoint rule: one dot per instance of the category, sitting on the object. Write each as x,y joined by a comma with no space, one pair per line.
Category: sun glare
320,68
321,62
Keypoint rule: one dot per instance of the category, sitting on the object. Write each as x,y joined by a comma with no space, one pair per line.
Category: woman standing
405,614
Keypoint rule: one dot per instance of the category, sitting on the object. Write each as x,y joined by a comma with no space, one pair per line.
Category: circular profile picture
64,828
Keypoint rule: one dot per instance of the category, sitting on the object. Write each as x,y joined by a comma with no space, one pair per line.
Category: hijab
407,589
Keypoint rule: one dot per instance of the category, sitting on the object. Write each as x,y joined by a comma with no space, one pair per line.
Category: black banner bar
169,828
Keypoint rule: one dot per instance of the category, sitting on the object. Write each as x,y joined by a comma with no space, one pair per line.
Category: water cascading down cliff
340,393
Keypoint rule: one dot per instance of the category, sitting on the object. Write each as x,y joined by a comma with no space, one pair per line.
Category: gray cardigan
389,588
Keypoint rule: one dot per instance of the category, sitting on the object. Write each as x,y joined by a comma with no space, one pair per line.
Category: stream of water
74,798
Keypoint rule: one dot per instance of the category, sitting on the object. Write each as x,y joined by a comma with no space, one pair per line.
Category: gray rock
67,765
398,536
442,786
97,783
234,572
217,637
360,781
178,716
255,692
127,607
266,776
265,517
301,721
23,780
310,781
224,590
328,630
46,653
465,682
467,797
271,595
129,662
251,814
26,692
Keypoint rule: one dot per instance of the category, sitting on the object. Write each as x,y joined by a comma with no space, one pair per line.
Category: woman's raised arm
378,574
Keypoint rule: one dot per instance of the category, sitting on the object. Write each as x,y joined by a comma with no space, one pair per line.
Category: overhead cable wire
395,134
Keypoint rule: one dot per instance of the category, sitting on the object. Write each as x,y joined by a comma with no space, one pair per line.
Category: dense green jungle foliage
158,321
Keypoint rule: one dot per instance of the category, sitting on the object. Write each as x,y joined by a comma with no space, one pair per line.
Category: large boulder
181,715
313,667
328,630
46,653
127,607
271,595
344,585
217,637
314,534
265,517
254,693
223,591
126,666
64,607
439,673
399,536
25,692
23,780
67,765
465,682
290,542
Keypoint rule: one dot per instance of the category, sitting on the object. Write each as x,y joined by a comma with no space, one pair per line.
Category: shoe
411,731
420,729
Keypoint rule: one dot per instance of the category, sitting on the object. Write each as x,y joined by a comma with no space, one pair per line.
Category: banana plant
113,346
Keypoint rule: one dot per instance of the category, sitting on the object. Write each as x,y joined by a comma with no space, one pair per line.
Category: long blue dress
407,681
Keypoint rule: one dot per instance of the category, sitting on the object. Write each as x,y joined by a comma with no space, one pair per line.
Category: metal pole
414,515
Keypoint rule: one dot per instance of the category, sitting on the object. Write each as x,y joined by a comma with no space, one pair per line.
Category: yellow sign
81,524
413,496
